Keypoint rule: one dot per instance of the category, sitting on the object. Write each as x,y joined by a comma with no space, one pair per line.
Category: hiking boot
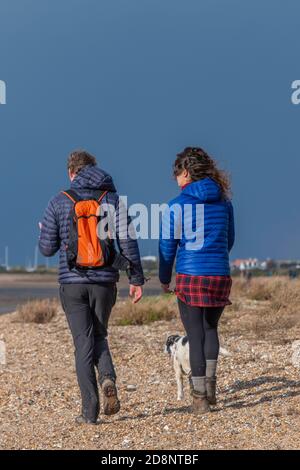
200,404
83,420
211,386
111,403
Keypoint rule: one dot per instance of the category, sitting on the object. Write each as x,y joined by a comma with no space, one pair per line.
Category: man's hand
166,289
136,292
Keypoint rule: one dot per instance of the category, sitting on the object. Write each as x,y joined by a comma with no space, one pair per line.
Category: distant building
263,265
243,264
151,259
288,263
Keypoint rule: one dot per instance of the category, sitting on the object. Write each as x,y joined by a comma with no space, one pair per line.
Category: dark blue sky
134,82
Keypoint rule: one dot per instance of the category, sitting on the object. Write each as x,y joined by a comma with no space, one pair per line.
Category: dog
178,348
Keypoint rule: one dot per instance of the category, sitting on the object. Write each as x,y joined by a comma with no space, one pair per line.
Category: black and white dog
178,348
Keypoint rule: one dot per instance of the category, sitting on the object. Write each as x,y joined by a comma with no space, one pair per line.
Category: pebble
126,443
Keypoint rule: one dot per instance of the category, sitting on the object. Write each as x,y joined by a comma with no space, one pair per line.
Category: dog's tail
224,352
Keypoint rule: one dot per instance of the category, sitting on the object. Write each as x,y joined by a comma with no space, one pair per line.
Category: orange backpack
85,250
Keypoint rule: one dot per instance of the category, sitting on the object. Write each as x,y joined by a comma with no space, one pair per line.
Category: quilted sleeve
49,241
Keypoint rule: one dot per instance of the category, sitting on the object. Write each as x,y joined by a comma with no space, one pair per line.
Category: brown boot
200,404
211,386
211,381
111,404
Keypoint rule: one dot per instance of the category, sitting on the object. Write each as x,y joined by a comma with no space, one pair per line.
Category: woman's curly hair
200,165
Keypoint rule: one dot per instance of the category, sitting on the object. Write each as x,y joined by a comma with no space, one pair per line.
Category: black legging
201,326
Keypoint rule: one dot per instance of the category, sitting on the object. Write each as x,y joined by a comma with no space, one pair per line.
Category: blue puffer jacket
55,228
209,256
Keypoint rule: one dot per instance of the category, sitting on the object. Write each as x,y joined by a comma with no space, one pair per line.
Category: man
88,295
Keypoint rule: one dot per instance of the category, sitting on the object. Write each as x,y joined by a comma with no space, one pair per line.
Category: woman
199,232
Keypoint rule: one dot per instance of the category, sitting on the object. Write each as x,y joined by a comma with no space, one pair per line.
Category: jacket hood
206,190
91,177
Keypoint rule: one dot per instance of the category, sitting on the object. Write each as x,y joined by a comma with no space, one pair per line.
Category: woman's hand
166,289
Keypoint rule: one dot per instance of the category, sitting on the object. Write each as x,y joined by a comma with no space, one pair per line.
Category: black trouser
201,326
88,308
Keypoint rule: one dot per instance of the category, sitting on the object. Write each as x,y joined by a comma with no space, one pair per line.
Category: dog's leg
179,379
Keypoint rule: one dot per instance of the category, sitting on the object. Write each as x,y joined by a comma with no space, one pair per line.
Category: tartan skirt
203,291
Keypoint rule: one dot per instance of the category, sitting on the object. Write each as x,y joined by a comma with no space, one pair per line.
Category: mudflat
17,289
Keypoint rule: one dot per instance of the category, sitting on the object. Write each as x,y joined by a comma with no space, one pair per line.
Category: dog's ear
169,340
168,344
172,339
184,340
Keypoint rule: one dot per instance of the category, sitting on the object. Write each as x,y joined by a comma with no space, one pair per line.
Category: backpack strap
99,195
72,195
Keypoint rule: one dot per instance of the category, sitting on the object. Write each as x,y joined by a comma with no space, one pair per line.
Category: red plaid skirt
203,291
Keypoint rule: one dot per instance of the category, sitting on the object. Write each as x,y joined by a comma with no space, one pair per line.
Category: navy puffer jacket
55,229
211,256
